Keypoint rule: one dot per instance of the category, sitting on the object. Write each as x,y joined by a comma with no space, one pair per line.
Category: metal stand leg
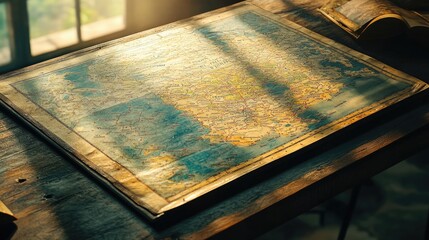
349,212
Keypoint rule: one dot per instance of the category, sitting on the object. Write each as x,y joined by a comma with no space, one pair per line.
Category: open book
376,19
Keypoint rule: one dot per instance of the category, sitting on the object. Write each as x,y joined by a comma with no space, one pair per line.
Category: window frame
19,36
135,12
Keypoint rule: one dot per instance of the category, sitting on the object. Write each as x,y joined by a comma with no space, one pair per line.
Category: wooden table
54,199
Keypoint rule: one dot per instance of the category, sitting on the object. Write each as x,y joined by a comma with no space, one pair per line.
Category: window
5,52
32,31
59,24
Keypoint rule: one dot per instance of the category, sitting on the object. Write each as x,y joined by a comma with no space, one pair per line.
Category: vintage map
185,106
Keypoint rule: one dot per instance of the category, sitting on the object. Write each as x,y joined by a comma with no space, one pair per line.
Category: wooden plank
57,200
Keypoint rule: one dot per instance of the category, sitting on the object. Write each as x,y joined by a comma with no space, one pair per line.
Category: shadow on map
273,87
361,86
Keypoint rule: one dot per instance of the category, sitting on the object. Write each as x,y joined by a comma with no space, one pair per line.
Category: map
181,108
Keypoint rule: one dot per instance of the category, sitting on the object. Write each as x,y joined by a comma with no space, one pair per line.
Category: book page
362,12
354,15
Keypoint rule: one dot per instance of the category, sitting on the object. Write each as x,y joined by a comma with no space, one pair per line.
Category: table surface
54,198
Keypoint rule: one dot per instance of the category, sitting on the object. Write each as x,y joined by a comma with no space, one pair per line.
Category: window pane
101,17
52,25
4,37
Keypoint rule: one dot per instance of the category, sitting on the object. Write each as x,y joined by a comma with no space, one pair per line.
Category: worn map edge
101,179
135,190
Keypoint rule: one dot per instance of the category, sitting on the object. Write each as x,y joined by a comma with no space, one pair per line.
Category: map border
122,181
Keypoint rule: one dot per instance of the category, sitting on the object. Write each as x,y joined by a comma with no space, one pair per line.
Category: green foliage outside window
50,16
94,10
4,38
5,54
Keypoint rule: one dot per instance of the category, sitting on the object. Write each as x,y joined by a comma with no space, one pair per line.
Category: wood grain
57,200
